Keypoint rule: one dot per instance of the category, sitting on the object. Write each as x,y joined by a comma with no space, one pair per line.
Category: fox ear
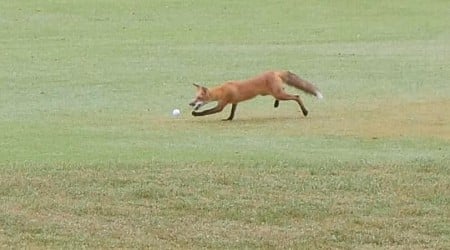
204,89
198,86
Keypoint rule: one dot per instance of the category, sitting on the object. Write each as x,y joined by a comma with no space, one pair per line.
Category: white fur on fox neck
198,104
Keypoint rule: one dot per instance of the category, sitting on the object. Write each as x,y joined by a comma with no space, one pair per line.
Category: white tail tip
319,95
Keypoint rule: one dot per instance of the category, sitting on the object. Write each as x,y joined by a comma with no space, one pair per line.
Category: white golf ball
176,112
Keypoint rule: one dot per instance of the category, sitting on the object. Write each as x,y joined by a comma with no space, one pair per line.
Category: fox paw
194,113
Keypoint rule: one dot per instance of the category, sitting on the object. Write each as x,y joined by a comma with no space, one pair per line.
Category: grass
91,157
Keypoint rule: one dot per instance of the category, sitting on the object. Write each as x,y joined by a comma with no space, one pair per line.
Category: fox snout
196,104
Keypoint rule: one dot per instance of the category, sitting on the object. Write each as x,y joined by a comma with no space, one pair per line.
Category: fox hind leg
277,102
282,96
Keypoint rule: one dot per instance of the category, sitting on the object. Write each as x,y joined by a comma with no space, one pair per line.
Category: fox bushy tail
294,80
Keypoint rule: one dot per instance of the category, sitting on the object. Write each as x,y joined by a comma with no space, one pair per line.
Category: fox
266,83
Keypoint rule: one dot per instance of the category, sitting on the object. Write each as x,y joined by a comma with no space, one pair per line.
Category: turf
91,157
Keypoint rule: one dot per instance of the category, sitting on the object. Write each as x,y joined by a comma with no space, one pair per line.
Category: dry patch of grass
388,118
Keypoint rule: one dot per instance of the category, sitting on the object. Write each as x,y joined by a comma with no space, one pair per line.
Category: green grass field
90,156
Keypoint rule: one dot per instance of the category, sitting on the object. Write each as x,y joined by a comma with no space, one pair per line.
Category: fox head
201,98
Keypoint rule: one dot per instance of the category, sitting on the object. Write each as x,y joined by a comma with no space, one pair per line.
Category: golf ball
176,112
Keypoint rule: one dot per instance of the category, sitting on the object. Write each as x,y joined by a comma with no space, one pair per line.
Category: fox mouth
196,105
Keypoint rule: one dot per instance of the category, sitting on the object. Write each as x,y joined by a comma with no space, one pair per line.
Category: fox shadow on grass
246,120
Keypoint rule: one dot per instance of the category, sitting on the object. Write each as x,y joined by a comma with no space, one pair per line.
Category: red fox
267,83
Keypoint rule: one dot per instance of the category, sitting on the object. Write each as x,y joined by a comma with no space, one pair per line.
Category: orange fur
267,83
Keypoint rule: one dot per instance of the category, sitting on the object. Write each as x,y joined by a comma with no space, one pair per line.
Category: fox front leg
214,110
233,109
